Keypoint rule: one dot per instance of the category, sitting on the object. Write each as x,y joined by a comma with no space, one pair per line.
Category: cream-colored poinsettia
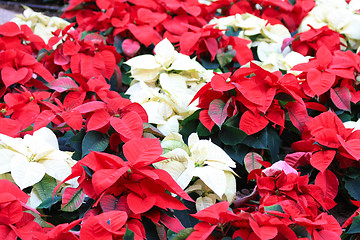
251,25
273,58
339,16
165,83
201,159
28,159
41,24
352,124
269,40
206,196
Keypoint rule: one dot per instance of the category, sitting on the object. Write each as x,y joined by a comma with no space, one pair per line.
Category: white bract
352,124
201,159
274,59
41,24
268,40
30,158
165,83
251,26
338,16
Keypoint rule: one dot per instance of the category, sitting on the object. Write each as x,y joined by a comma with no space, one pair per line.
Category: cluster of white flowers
201,159
207,2
25,161
352,124
165,83
268,40
41,24
339,16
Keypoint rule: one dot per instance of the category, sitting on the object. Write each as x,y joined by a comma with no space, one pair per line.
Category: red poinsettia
125,117
328,139
135,186
213,218
255,99
321,73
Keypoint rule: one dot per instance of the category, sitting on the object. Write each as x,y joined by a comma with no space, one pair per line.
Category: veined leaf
218,111
72,199
62,84
47,203
355,226
328,183
251,161
341,97
352,186
45,187
94,141
183,234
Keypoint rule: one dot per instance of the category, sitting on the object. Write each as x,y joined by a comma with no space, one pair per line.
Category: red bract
62,112
106,226
255,98
59,232
89,55
18,46
132,186
326,139
307,43
323,72
215,217
125,117
150,22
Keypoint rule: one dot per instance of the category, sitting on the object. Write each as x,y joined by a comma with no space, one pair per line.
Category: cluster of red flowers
288,203
127,191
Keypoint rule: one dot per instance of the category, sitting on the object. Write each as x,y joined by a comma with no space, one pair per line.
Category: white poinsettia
353,124
202,159
28,159
339,16
206,196
251,25
273,58
165,83
41,24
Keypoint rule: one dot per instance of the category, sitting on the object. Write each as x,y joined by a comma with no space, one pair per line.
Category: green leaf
250,161
76,141
74,202
231,135
47,203
129,235
225,58
183,234
355,226
258,140
277,208
189,125
353,188
45,187
118,44
274,142
231,32
205,62
237,152
203,131
125,74
94,141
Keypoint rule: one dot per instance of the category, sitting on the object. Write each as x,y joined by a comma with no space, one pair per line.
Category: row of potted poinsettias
226,119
